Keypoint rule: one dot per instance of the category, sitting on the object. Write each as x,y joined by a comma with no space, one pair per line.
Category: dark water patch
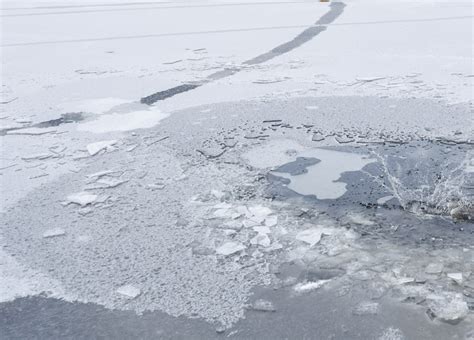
420,182
66,118
47,318
162,95
327,313
320,314
299,40
336,9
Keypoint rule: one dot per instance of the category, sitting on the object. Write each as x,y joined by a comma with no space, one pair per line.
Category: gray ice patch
299,166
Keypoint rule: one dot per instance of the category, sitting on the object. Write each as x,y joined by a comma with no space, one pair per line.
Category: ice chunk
260,211
344,139
360,219
250,223
311,236
261,240
229,232
317,137
385,199
82,198
262,230
271,221
129,291
309,286
223,213
456,277
54,232
434,268
95,148
217,194
222,205
234,225
230,248
405,280
448,307
263,306
155,186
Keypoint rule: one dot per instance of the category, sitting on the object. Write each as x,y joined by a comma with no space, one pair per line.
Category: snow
17,280
123,121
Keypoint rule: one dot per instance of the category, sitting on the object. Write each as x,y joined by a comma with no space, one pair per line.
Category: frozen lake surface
211,169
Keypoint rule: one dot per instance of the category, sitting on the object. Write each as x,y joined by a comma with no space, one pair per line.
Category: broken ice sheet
369,79
104,173
54,232
310,236
106,183
39,156
129,291
31,131
95,148
230,248
82,198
